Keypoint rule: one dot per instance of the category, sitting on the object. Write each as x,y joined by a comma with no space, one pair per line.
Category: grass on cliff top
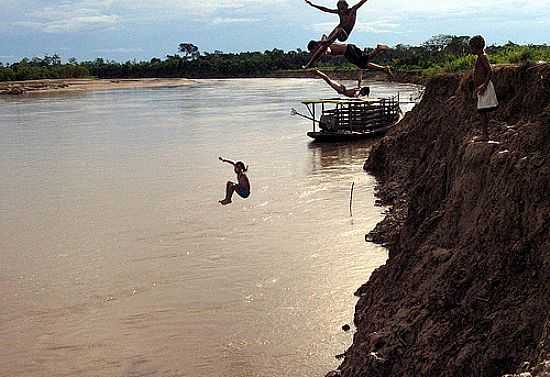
506,55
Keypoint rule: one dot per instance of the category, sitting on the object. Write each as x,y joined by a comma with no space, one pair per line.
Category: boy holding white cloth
484,89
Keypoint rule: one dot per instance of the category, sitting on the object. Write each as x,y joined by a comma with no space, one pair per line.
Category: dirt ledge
466,290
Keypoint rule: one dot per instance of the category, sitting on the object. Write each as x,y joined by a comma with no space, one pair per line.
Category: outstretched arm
324,9
359,78
358,5
228,161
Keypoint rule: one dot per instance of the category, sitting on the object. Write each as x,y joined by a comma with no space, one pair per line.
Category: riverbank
466,288
83,85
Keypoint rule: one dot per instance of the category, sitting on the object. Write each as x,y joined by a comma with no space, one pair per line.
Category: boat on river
339,119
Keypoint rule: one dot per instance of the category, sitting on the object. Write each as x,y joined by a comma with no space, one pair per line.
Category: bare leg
484,126
229,189
379,49
323,46
377,67
333,84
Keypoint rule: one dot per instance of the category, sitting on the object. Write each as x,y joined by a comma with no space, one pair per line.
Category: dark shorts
343,35
356,56
243,192
487,110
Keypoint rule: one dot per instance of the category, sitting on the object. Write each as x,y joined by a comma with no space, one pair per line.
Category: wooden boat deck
347,119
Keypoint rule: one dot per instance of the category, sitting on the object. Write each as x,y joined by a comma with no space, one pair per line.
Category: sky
142,29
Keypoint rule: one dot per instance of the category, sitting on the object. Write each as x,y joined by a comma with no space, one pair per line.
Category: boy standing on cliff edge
484,89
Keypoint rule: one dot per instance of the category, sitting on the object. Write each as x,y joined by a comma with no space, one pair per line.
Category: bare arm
487,66
321,8
228,161
489,70
320,74
358,5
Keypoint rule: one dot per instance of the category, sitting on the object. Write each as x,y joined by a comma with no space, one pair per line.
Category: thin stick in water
351,199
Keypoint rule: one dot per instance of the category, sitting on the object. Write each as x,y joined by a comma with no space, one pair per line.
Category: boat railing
358,116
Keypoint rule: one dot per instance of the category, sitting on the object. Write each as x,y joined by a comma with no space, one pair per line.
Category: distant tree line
441,53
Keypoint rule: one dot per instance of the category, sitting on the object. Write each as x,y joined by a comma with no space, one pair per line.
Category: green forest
439,54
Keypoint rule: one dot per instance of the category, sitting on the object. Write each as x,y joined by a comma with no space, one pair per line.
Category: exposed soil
466,289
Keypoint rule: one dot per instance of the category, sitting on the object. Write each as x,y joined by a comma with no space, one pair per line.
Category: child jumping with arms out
348,17
484,88
242,187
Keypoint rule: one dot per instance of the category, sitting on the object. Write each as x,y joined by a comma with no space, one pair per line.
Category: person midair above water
353,54
242,187
348,17
357,92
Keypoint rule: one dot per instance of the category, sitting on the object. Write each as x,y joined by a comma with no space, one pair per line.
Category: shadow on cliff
466,290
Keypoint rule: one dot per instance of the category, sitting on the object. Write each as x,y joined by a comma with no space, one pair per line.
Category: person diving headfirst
357,92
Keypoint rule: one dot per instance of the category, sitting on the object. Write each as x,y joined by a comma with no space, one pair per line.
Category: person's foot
225,202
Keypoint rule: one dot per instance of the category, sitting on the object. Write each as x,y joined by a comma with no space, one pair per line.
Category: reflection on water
338,155
116,258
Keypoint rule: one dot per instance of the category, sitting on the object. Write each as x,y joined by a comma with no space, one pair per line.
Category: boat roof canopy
339,100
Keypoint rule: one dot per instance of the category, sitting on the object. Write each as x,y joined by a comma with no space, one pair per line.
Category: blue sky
141,29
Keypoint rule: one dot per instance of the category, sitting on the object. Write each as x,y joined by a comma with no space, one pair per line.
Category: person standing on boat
242,187
353,54
357,92
348,17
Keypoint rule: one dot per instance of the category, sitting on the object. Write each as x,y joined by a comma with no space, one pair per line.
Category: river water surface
117,260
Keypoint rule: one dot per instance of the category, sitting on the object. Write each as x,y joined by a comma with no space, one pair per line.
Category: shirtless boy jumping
353,54
348,17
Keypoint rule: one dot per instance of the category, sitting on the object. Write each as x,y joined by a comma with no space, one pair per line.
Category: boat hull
328,137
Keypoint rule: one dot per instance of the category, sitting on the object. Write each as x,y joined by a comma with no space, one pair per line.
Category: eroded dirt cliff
466,290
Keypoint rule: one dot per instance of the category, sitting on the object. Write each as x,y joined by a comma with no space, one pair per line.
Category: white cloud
66,16
374,27
63,16
190,10
230,20
73,24
452,8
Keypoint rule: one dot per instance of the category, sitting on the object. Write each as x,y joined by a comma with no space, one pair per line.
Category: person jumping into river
242,187
348,17
484,89
341,89
353,54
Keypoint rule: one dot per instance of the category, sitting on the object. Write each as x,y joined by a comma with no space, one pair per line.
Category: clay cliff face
466,290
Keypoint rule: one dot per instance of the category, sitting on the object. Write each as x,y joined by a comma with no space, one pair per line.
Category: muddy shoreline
84,85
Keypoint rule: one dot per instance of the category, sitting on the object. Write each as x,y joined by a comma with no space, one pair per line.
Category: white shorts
488,100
